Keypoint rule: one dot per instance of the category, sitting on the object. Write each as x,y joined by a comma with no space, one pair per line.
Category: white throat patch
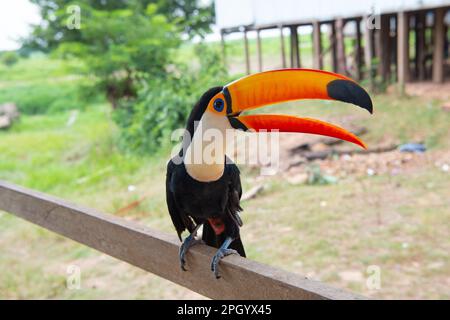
205,156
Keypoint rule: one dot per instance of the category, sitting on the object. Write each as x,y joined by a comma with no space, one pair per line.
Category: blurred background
90,92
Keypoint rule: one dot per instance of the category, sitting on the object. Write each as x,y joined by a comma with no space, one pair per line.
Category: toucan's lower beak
285,123
273,87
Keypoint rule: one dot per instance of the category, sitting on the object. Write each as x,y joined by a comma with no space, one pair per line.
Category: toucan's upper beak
277,86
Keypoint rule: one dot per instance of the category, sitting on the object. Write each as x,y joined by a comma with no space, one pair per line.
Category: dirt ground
429,90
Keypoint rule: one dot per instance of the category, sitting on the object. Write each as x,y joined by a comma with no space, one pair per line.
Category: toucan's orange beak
278,86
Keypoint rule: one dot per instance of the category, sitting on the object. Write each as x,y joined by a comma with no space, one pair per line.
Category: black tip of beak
350,92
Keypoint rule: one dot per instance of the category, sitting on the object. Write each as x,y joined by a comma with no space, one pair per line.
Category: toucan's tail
238,246
211,239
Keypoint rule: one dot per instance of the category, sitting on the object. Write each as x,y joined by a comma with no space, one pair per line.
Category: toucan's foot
221,253
187,243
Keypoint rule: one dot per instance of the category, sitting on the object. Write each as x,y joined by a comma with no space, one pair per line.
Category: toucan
207,193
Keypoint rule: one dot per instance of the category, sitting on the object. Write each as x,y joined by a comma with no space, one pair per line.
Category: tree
192,17
147,122
120,46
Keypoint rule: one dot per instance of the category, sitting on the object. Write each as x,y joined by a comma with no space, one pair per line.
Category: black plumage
191,202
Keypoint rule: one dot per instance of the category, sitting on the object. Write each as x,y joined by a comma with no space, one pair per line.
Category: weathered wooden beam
317,46
402,50
259,49
282,47
438,49
157,252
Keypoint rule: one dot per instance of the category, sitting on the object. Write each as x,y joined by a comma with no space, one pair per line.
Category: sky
17,15
15,18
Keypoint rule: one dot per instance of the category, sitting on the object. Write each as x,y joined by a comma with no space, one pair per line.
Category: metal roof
259,13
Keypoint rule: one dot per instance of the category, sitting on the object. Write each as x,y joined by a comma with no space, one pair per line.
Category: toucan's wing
234,176
234,193
174,211
233,206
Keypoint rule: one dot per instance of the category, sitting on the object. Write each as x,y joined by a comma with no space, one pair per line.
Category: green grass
399,223
82,164
44,85
48,155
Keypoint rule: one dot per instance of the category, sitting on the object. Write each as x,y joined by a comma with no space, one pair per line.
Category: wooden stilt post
377,49
297,46
429,44
224,49
402,50
368,51
438,49
340,47
247,53
259,48
446,44
416,45
317,46
358,50
295,54
420,45
283,49
394,52
384,48
334,62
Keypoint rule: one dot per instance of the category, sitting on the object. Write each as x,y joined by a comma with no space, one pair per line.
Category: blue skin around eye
218,105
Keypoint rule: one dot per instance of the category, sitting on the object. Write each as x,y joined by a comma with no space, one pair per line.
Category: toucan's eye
218,105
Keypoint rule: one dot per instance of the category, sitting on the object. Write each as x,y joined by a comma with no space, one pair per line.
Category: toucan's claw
187,243
220,254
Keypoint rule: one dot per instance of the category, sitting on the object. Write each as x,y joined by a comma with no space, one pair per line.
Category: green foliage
378,84
129,48
9,58
119,42
122,46
164,105
192,17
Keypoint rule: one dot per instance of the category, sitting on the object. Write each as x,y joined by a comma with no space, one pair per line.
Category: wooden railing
157,252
